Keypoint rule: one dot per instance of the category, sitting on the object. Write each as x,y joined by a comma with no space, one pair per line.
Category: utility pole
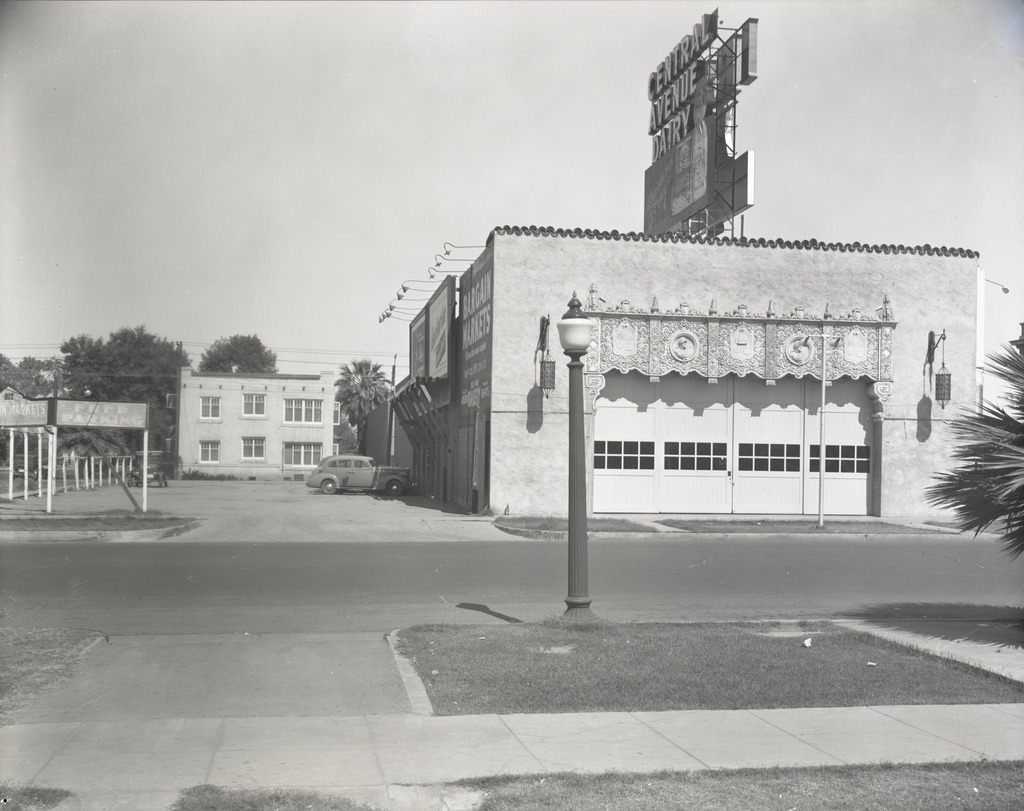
176,444
391,412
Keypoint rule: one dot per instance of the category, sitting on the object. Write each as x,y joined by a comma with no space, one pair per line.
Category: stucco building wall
536,271
232,424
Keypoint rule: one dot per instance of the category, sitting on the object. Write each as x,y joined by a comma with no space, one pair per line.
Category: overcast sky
208,169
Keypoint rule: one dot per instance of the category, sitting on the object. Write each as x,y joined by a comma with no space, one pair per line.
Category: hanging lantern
547,373
943,385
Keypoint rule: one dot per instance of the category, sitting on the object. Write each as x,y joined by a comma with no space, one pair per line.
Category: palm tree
93,441
988,484
361,388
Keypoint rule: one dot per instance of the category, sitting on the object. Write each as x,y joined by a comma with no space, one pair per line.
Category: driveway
254,512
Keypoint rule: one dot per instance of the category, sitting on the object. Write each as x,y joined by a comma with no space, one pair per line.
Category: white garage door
684,445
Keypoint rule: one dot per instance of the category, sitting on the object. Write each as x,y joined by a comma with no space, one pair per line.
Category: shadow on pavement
483,609
427,503
985,624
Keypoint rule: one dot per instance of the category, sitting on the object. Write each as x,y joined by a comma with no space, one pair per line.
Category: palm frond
986,488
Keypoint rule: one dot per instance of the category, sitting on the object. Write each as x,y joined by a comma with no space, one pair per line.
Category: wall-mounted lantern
547,373
547,365
943,385
943,377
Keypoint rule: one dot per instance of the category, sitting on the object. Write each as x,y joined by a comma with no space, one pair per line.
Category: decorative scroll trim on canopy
739,342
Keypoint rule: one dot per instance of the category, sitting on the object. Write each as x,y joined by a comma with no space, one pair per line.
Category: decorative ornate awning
714,344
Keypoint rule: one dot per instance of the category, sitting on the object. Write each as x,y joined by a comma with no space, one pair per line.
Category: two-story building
255,426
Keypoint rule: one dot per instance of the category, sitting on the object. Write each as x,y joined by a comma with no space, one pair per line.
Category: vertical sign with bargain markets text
476,308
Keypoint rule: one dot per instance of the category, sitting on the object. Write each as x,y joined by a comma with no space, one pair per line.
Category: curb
111,536
533,534
414,689
976,654
724,535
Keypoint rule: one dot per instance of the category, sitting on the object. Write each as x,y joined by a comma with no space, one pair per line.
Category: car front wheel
394,488
329,487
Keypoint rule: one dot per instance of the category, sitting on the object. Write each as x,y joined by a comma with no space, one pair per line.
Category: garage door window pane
696,456
842,459
623,455
768,457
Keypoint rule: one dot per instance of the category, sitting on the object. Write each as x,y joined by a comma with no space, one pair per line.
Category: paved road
276,604
277,557
279,587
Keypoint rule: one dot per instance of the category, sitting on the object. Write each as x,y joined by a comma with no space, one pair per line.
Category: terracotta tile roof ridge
743,242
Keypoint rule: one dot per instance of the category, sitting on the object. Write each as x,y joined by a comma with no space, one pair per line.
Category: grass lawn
792,527
30,798
214,798
551,668
856,788
547,523
120,522
982,786
36,659
770,654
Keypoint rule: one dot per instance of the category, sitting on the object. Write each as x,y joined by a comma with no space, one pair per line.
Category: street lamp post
821,421
574,333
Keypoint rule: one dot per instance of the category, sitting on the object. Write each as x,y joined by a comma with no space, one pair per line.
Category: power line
201,346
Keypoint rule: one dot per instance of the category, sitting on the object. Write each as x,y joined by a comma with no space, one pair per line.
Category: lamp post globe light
574,333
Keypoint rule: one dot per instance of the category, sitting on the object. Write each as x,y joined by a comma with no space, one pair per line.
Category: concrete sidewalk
117,750
148,717
121,746
399,761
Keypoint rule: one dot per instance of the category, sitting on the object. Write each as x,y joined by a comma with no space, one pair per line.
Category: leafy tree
132,365
362,387
33,377
239,353
988,484
345,438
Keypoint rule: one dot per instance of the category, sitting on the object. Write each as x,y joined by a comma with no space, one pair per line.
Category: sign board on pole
94,414
27,413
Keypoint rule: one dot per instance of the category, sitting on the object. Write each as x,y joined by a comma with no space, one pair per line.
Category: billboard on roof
696,179
418,346
440,311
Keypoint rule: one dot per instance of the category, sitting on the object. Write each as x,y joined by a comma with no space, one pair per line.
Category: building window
254,447
773,457
627,455
254,405
695,456
841,459
337,414
304,454
209,408
303,410
209,451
